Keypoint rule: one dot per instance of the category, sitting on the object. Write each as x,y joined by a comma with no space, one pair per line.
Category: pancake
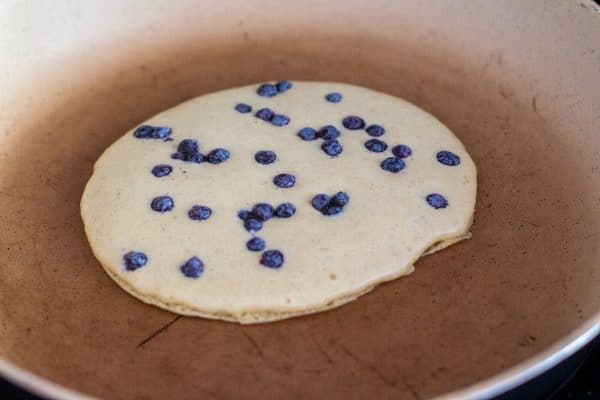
271,201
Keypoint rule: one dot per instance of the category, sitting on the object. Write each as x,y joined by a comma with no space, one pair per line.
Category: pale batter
167,208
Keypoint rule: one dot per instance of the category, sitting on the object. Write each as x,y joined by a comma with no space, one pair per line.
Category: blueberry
280,120
188,146
265,114
253,225
331,209
262,211
272,259
283,86
285,210
332,148
401,151
152,132
448,158
143,132
375,145
161,132
134,260
267,90
340,199
255,244
243,108
328,132
196,158
393,164
353,122
334,97
199,213
243,214
319,201
375,130
217,156
307,134
265,157
437,201
161,170
284,180
192,268
162,204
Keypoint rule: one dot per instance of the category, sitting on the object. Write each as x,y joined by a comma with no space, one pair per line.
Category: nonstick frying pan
517,81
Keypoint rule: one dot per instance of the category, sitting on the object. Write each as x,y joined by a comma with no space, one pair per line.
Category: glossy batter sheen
384,229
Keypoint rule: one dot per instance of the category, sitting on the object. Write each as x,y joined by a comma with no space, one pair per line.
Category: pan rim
505,380
493,386
531,367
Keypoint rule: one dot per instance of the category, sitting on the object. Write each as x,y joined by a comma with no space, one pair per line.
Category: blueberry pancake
275,200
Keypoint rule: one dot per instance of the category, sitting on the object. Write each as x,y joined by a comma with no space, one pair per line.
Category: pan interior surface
523,98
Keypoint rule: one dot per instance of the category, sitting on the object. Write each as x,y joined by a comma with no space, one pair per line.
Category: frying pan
517,81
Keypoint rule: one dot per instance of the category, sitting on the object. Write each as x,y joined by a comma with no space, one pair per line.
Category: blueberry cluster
272,90
262,212
330,205
391,164
329,133
266,114
354,123
189,150
396,163
152,132
253,222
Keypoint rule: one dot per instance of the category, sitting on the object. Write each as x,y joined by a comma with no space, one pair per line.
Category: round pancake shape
270,201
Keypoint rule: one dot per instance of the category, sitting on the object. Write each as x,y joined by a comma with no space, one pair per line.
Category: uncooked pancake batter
274,200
